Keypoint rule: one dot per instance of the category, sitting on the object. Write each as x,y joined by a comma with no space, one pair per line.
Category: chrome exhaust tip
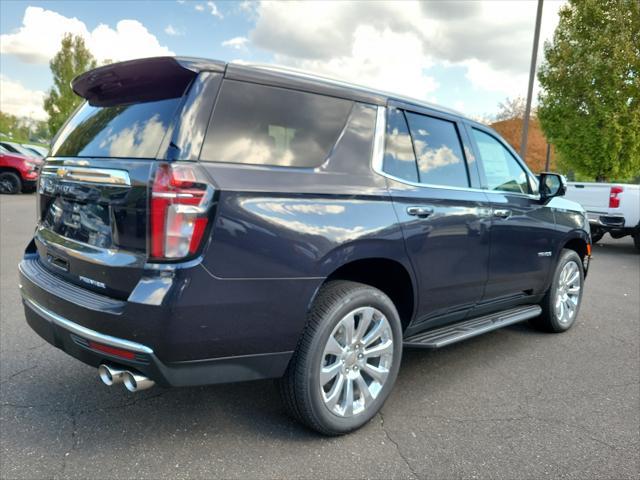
110,375
134,382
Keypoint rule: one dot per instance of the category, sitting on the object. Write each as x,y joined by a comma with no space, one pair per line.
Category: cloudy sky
468,55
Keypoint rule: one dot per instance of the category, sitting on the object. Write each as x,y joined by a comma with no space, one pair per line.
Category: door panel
521,246
445,223
448,248
522,228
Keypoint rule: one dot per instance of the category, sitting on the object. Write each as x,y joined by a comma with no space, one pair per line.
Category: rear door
522,230
93,194
445,220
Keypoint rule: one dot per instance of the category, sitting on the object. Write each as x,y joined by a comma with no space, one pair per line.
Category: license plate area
84,222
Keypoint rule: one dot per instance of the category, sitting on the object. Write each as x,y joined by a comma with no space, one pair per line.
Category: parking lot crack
74,441
397,446
18,373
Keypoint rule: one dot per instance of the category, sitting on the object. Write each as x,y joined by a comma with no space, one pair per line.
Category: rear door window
502,170
262,125
438,151
133,130
399,158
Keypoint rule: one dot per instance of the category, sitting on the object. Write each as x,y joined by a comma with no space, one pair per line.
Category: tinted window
134,130
399,159
262,125
502,170
438,150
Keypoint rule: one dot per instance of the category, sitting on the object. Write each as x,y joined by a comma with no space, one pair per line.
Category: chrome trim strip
378,139
106,176
378,157
85,332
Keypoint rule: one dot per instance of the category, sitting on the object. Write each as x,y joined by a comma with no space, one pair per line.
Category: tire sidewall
361,297
566,257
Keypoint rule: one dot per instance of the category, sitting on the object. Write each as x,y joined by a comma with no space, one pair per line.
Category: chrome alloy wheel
568,293
356,361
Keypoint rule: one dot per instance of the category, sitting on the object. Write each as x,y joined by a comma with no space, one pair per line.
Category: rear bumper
606,221
76,340
75,320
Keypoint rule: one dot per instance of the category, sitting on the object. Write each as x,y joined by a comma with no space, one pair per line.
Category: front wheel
636,240
347,360
10,183
561,303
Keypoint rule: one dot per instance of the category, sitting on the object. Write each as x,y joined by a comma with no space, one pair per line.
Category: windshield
15,148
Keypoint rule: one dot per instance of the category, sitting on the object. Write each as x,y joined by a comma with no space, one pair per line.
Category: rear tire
10,183
636,240
561,303
346,361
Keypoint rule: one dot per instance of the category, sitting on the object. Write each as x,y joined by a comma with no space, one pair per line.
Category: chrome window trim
378,160
85,332
105,176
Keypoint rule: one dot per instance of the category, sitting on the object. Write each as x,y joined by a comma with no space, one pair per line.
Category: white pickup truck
612,208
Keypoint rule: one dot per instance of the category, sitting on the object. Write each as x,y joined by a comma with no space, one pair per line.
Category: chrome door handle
421,212
502,213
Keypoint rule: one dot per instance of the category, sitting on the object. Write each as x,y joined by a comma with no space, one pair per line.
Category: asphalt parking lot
511,404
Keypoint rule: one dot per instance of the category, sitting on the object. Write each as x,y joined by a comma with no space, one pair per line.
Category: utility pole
532,75
548,161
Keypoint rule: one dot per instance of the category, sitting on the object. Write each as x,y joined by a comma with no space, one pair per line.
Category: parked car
612,208
14,147
203,222
18,173
36,149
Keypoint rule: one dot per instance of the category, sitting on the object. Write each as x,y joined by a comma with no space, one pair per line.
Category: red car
18,173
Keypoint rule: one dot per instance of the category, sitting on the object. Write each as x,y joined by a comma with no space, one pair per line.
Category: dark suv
203,222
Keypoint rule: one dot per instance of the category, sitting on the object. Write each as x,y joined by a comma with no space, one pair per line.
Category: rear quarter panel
278,233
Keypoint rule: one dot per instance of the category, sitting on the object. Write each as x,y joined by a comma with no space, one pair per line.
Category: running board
441,337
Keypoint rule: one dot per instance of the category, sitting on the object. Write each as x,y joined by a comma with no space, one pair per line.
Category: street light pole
532,75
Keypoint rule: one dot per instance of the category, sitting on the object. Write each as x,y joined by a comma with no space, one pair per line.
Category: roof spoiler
142,80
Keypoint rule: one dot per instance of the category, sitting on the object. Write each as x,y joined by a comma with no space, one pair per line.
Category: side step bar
441,337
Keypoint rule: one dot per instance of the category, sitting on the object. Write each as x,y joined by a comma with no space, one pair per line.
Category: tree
589,106
14,128
511,108
72,59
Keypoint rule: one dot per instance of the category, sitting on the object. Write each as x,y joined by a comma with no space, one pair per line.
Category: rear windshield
127,131
261,125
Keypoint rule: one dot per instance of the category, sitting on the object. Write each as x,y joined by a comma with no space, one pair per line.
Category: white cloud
213,9
391,45
248,6
375,60
130,39
239,43
39,37
173,31
20,101
368,44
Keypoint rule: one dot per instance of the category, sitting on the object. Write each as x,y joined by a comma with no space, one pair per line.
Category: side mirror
552,185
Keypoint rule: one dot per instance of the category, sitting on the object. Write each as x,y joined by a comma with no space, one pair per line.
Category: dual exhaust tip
134,382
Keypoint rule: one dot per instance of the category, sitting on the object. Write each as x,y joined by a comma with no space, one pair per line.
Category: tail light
180,200
614,196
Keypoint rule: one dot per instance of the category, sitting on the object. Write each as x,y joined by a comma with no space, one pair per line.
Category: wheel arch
386,274
579,242
5,169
